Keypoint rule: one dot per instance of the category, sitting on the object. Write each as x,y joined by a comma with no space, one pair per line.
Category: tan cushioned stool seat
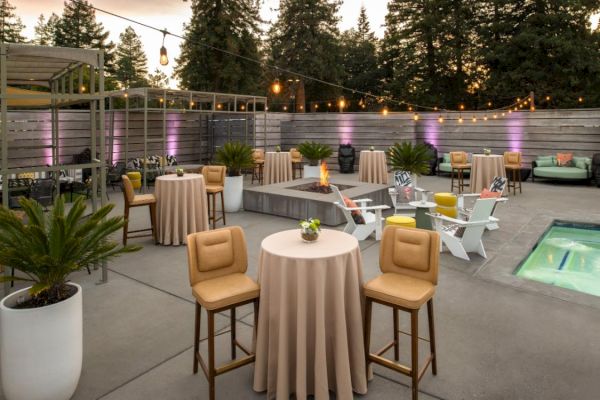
445,199
461,166
140,199
402,290
213,188
401,220
226,290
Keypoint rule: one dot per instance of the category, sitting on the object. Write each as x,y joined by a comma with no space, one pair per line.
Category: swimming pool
567,255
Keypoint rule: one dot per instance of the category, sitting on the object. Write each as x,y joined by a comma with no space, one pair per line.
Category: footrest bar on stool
403,369
385,348
234,364
242,348
424,367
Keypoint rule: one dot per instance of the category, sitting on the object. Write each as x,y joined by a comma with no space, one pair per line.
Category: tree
130,60
228,25
543,46
12,26
306,39
361,69
78,28
44,30
158,79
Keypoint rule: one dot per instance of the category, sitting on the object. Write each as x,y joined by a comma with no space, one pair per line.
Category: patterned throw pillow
171,160
356,214
486,194
498,184
564,159
402,178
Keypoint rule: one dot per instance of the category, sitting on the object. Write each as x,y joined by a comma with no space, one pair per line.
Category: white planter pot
312,171
234,193
41,348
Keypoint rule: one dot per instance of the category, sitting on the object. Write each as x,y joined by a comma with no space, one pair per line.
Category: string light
276,87
284,108
416,116
548,98
160,100
329,105
219,106
474,119
485,117
342,103
126,95
410,108
460,119
503,114
509,111
580,99
316,106
82,88
242,107
495,116
302,107
384,111
164,59
462,107
441,119
435,108
489,104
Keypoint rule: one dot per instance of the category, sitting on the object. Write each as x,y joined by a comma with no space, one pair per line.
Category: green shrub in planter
314,152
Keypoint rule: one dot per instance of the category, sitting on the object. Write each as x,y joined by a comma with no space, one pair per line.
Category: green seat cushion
545,161
446,158
560,172
445,167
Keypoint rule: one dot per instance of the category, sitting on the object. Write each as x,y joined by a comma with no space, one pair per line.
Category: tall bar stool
259,162
409,261
217,262
459,163
296,157
512,164
137,200
214,180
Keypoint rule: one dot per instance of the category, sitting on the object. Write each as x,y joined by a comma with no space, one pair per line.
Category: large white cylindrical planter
234,193
311,171
41,348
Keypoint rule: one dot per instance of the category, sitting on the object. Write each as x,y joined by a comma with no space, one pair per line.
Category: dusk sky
172,14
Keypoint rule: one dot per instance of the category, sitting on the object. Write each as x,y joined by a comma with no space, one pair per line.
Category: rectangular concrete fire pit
287,200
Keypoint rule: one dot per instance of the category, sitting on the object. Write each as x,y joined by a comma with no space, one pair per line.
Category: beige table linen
181,207
484,169
310,328
372,167
277,167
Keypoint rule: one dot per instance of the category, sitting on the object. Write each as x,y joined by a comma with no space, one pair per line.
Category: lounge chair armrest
362,200
366,208
448,219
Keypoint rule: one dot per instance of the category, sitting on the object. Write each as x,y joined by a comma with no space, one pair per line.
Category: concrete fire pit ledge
282,200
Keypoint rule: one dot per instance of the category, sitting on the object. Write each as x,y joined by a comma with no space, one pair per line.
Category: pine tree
228,25
158,79
44,30
361,69
130,60
306,39
11,25
78,28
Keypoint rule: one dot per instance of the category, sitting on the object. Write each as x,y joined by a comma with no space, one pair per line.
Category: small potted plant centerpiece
41,332
314,152
487,151
236,157
179,171
414,159
309,229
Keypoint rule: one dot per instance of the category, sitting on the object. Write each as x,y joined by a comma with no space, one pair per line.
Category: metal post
146,135
4,132
104,278
93,122
164,132
126,130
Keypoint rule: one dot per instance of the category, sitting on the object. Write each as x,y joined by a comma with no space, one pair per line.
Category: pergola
167,101
72,76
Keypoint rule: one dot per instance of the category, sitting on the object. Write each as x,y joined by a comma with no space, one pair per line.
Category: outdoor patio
498,336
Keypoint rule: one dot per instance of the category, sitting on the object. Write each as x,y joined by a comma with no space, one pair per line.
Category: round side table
423,220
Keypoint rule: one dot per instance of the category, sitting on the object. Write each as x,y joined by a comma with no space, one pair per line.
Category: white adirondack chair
371,214
462,237
498,185
403,192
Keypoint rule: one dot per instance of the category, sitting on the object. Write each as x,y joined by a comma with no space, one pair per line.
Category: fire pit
322,186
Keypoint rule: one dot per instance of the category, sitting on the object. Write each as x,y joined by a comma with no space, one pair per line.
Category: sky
172,14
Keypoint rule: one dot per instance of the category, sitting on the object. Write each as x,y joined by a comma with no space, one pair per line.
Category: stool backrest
512,157
412,252
258,154
295,154
216,253
458,157
128,192
214,174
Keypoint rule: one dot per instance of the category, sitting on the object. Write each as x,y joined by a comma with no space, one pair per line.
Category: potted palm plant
314,152
236,157
41,326
414,159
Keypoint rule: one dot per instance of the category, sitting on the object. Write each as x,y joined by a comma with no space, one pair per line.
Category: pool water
568,256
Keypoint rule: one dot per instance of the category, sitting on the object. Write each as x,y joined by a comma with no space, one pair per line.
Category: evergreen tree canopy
11,25
44,30
306,39
78,28
361,68
227,25
158,79
130,60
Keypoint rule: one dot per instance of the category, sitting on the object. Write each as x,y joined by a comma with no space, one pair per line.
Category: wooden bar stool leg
396,335
256,308
452,180
211,355
432,337
414,339
153,222
233,333
367,334
223,207
197,337
126,226
214,210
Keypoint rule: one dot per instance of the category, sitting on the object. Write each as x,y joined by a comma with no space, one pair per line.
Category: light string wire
379,99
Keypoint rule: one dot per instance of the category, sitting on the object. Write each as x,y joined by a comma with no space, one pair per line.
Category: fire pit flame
324,177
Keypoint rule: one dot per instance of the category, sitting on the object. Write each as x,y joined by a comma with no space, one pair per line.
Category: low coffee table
423,220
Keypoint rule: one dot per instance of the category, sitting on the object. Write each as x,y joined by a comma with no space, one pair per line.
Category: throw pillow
356,214
564,159
446,158
486,194
546,161
581,162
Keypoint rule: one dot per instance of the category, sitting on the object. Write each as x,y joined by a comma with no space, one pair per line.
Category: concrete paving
498,336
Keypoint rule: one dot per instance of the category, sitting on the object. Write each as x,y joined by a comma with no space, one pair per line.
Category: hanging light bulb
219,106
460,119
474,119
126,95
503,114
580,99
342,103
242,107
532,108
548,98
316,106
489,103
284,108
485,117
416,116
328,104
509,111
495,116
276,87
164,59
384,111
441,119
410,108
462,107
435,108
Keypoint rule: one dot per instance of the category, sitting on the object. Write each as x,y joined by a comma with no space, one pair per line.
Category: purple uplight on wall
515,130
47,138
431,131
345,131
172,134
